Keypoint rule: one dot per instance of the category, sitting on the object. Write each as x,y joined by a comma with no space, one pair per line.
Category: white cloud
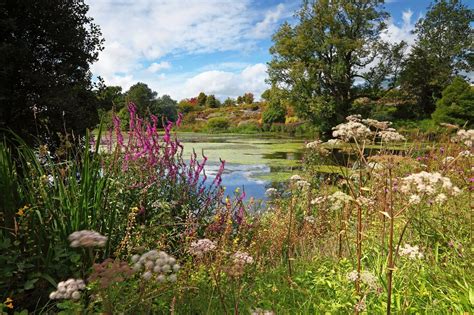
266,27
156,67
396,33
139,34
224,84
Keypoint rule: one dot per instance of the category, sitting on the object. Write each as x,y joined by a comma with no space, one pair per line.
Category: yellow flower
22,210
135,209
8,303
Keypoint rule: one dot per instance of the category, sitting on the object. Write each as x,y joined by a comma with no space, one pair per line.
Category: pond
253,162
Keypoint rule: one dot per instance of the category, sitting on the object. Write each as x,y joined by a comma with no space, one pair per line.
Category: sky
221,47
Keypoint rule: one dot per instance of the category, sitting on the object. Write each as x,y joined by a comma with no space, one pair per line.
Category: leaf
30,284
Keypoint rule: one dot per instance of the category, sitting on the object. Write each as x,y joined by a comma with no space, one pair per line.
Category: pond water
253,163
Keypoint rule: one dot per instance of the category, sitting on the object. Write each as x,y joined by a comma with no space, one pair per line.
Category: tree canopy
318,60
46,48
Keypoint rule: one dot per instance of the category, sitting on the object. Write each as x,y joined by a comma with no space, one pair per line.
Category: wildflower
354,118
375,166
333,142
448,159
364,201
295,177
242,258
360,306
465,136
353,276
441,198
427,183
159,263
351,130
310,219
369,279
68,290
21,211
271,192
465,153
86,238
339,199
302,184
413,252
390,136
200,247
8,303
318,200
414,199
314,144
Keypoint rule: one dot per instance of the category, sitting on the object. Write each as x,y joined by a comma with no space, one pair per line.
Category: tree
456,106
143,97
109,96
275,111
212,102
248,98
201,99
444,49
165,107
318,60
239,100
46,48
229,102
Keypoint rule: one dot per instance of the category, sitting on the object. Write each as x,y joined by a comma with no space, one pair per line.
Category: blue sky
182,47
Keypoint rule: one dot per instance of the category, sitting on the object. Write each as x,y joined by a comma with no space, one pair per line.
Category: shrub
274,113
456,105
218,124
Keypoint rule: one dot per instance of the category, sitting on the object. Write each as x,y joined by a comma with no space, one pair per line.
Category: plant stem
390,247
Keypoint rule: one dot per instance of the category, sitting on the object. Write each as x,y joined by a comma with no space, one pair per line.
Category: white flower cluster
333,142
427,183
465,153
441,198
448,159
375,166
317,147
242,258
414,199
86,238
339,199
295,177
412,252
200,247
314,144
318,200
302,184
351,130
364,201
310,219
271,192
365,276
69,289
390,136
465,136
156,263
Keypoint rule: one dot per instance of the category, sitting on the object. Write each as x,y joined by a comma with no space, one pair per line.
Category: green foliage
45,55
165,107
229,102
211,101
316,59
456,106
142,96
275,111
218,124
201,99
185,107
443,49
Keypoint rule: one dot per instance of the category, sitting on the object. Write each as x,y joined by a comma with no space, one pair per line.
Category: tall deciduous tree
201,99
143,97
318,60
46,48
444,49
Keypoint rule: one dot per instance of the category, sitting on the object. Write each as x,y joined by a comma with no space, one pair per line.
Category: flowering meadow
125,223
